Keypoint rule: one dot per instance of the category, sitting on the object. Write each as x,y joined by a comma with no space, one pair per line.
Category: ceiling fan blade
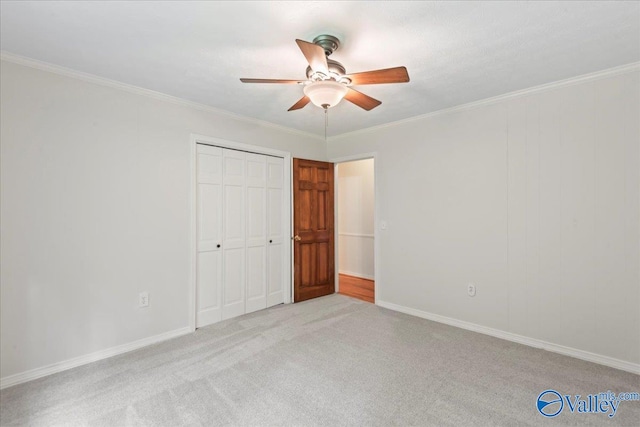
389,75
315,56
300,104
361,100
271,81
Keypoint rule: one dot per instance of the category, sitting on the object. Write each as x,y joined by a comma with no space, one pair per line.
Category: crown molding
610,72
91,78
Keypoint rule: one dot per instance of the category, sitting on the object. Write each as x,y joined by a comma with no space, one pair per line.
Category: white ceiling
456,52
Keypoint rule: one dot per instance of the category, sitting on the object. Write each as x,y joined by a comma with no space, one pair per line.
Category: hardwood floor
356,287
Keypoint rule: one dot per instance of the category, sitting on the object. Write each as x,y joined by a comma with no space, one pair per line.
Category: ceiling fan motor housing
329,43
336,71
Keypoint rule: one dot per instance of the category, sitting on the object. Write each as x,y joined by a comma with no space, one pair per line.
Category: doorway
356,228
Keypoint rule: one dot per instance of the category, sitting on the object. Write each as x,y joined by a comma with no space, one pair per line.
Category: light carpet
332,361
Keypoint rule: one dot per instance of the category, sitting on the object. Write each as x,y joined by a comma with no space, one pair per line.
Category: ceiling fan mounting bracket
329,43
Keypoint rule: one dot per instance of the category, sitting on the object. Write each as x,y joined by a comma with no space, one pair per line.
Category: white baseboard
360,275
520,339
33,374
531,342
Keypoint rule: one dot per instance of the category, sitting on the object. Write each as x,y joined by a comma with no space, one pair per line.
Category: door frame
376,210
287,207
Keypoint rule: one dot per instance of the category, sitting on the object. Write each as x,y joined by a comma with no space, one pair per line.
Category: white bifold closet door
209,235
240,233
233,233
275,231
256,232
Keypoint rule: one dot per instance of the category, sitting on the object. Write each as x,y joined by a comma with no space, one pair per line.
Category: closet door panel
256,232
233,245
233,283
275,231
209,278
233,215
256,216
274,217
275,278
209,216
209,235
256,281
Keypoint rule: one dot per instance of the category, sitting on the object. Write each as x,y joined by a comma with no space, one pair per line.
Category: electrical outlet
143,300
471,290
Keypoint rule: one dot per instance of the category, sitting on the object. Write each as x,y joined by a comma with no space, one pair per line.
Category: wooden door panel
322,256
306,172
322,210
313,225
305,223
307,256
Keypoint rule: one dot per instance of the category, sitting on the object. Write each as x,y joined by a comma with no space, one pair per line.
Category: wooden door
313,252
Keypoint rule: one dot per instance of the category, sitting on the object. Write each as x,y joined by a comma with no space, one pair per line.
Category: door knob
218,245
297,238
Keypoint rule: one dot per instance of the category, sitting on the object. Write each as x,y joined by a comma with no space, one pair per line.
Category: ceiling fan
327,80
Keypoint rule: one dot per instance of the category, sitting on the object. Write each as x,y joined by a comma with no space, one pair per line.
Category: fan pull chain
326,122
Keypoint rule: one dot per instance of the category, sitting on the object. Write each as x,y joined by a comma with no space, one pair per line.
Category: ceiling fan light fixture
325,93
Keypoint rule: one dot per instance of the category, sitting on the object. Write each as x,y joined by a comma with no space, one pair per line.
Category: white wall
534,198
355,218
95,209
